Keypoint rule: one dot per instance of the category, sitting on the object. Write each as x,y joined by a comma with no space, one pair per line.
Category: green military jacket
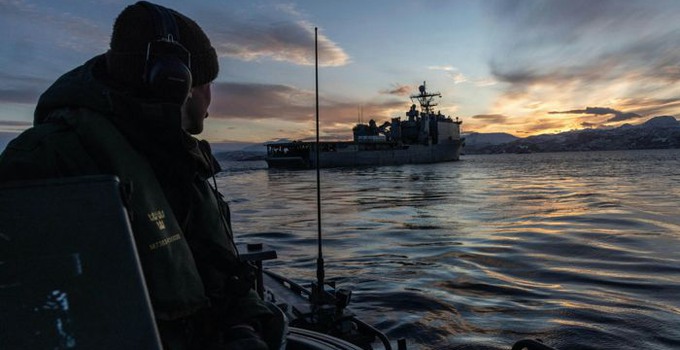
180,223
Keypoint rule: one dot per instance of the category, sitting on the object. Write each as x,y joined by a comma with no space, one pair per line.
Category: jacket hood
153,128
77,88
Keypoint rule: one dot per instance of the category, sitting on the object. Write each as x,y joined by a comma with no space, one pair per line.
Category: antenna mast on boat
319,260
425,99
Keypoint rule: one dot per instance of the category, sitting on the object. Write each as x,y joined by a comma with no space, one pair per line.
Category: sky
524,67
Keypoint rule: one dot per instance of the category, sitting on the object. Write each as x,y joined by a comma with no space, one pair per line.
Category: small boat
424,137
319,311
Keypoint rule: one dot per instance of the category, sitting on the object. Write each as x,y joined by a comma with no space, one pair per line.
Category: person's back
130,113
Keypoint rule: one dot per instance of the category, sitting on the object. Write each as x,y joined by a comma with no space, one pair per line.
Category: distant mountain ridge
232,151
478,140
657,133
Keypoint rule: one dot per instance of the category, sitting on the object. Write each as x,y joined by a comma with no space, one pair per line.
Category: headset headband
164,22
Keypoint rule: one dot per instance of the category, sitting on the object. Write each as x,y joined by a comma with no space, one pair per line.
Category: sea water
581,250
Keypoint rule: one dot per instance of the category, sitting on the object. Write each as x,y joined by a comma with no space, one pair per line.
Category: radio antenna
319,259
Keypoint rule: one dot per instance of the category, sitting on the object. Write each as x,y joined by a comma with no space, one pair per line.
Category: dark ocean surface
581,250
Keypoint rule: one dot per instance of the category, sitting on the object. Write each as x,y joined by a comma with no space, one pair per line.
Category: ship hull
348,154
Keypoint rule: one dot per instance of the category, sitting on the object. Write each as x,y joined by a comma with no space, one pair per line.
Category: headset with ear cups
167,70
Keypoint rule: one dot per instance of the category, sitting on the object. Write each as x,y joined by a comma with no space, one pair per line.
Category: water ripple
577,249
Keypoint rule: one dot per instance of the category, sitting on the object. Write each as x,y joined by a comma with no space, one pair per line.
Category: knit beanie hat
134,29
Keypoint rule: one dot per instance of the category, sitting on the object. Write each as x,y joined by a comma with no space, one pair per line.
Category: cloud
573,13
522,77
652,106
285,41
271,102
589,110
572,24
594,52
486,82
543,125
10,129
19,95
447,68
458,77
65,29
623,117
654,60
21,88
283,36
261,101
398,90
491,118
14,124
453,72
618,116
13,79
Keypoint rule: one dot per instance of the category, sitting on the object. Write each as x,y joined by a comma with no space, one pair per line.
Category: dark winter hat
132,32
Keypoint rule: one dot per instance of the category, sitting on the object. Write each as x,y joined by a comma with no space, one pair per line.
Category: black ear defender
167,70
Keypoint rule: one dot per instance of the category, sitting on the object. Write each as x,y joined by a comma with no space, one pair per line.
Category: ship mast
426,99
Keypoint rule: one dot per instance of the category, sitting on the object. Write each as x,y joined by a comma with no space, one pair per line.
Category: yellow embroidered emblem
158,217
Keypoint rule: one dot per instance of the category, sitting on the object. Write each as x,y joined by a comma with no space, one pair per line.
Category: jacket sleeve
46,151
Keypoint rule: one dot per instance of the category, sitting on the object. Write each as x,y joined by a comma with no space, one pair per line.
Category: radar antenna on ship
426,99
